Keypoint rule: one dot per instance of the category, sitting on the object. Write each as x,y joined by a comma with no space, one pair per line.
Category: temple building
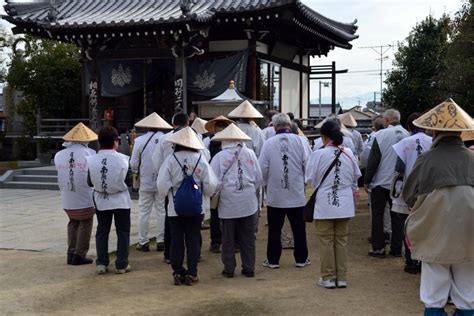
141,56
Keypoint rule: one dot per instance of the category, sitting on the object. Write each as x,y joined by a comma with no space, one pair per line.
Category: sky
380,22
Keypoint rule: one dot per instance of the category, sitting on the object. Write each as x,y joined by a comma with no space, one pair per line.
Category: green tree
457,79
414,85
50,77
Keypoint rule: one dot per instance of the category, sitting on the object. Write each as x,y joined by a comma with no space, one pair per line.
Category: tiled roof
78,14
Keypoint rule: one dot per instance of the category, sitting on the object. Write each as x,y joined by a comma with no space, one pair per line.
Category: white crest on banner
205,81
120,76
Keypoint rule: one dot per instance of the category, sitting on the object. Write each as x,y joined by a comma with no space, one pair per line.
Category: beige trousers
332,240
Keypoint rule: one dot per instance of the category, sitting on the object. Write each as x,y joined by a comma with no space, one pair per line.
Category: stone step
37,171
35,178
30,185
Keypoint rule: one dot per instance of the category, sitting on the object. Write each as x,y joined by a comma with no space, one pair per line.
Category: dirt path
41,283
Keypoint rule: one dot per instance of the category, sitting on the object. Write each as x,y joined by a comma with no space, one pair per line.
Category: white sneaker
270,265
304,264
101,269
328,284
341,284
122,271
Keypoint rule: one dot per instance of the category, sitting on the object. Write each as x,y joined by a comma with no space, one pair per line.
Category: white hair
281,120
393,114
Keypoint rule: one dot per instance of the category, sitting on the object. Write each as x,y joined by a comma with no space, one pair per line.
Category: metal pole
333,88
320,99
381,65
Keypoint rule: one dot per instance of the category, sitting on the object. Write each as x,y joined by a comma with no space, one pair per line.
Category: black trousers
185,234
122,228
276,219
244,228
378,199
398,234
216,232
167,237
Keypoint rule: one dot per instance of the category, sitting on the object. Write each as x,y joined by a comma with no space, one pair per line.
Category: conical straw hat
347,119
467,136
320,124
231,132
210,125
80,133
447,116
186,137
245,110
199,125
153,121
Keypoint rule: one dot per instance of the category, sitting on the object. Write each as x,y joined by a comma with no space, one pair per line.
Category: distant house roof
93,15
325,110
360,115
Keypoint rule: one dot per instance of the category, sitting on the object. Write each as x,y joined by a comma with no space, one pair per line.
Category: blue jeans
122,227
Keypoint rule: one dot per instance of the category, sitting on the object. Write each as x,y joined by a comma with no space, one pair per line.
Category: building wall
290,91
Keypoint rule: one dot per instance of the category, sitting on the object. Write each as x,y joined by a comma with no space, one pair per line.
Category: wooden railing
55,128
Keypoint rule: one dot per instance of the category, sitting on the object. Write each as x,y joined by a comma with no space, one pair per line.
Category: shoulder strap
197,163
329,169
141,152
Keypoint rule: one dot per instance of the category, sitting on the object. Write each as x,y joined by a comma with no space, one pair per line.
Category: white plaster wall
290,91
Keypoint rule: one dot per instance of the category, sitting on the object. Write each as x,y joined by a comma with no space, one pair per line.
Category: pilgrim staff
142,164
76,195
240,176
440,193
185,231
108,175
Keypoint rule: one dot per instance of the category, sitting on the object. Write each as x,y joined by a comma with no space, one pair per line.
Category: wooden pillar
301,88
252,70
95,122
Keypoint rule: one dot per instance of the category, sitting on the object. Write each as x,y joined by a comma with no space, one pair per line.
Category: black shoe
228,274
215,248
387,238
379,253
78,260
178,279
411,268
160,246
248,274
395,254
69,258
144,247
167,260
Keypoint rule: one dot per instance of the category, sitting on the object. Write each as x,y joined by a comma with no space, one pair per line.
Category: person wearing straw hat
165,149
108,174
350,123
142,164
76,195
408,150
283,161
185,231
440,193
239,174
378,179
215,126
246,112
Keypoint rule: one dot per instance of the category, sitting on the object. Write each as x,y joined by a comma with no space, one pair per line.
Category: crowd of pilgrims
237,167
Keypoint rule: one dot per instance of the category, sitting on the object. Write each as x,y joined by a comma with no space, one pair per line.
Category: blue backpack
188,197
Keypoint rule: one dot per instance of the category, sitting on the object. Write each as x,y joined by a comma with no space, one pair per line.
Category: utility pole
380,50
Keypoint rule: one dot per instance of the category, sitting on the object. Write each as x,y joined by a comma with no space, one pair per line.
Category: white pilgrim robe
255,134
71,164
148,173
